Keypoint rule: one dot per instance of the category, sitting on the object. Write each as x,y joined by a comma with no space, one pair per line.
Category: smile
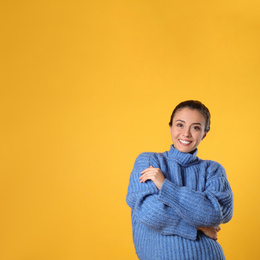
184,142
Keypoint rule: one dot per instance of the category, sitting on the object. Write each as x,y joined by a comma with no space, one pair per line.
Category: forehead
189,115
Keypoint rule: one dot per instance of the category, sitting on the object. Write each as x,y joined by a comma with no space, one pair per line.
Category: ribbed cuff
167,193
167,197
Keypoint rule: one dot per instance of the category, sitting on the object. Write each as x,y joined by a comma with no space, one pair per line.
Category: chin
185,150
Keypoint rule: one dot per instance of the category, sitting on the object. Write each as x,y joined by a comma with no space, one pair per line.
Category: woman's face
187,129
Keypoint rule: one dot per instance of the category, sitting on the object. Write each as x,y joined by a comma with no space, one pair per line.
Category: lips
184,142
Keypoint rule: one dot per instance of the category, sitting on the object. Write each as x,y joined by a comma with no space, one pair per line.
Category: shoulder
143,157
216,177
146,158
214,169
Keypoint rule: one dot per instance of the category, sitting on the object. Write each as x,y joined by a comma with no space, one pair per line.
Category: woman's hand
153,174
211,232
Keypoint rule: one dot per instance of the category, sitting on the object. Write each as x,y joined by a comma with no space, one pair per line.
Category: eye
197,128
179,125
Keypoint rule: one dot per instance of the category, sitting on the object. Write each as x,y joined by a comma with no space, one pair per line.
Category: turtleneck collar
183,158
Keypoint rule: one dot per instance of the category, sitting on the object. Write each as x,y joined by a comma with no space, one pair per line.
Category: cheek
175,134
198,136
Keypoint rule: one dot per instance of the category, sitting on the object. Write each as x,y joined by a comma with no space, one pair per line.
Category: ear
204,135
170,129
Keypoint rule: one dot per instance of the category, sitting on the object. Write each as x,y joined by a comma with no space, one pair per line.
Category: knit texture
195,193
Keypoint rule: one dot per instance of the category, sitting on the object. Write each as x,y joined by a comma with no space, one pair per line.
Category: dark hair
196,105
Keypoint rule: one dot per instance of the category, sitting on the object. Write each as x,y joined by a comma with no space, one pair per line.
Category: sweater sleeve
211,207
148,210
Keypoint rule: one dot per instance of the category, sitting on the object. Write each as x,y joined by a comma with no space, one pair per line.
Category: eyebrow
185,122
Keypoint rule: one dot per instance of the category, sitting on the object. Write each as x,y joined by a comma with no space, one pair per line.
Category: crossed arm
167,208
155,175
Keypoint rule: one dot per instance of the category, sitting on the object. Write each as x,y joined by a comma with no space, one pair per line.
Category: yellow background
88,85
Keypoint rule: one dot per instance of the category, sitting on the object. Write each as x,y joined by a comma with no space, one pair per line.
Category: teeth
184,142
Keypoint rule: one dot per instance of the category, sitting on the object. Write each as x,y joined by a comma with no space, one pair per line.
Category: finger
145,170
214,235
143,178
149,173
146,177
148,170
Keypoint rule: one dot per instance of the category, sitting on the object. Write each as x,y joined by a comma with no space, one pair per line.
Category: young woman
178,201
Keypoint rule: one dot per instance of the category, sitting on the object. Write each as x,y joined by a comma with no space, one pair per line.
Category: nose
186,132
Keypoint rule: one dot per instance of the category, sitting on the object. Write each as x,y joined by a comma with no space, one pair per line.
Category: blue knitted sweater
195,193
